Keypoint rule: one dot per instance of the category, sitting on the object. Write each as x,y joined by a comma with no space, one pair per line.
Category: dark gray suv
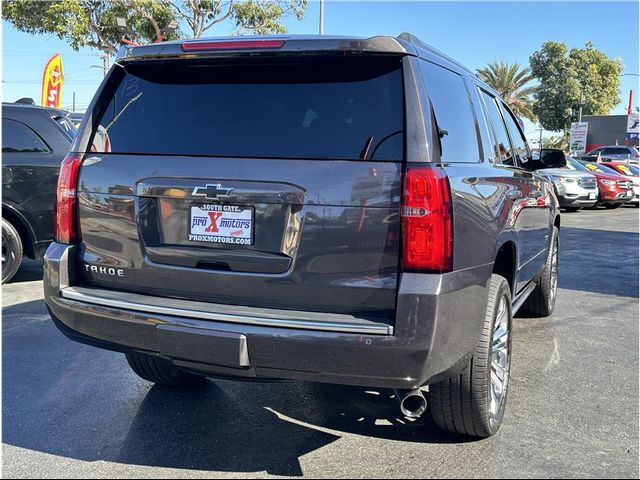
330,209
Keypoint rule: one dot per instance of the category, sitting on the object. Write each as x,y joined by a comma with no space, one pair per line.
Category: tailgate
260,183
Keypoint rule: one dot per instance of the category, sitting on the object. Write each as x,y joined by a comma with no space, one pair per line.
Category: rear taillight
426,220
65,211
231,45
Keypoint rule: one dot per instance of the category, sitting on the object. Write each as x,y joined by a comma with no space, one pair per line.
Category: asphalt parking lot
74,411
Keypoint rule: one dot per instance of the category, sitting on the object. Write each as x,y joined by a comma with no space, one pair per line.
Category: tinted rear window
453,111
67,126
340,109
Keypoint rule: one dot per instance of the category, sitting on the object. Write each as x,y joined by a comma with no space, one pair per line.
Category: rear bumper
438,322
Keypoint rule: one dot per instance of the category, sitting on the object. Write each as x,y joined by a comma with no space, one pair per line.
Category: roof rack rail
416,42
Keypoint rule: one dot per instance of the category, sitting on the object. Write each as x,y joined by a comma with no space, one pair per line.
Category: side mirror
552,158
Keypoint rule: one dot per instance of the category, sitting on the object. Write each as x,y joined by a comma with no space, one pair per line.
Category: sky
474,33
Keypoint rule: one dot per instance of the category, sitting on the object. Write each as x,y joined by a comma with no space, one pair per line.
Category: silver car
574,189
615,152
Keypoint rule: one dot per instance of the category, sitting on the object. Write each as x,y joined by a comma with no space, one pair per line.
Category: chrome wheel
499,361
554,273
11,251
7,254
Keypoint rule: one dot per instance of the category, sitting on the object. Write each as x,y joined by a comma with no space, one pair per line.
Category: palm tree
510,81
557,141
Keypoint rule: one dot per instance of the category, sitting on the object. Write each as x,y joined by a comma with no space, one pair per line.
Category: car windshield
573,164
628,170
595,167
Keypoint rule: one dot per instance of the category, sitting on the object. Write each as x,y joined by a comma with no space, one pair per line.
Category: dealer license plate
225,224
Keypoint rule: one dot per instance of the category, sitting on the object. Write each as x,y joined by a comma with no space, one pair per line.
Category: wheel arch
505,262
21,224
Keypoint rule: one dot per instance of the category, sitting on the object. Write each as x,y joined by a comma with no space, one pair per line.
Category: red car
614,189
632,172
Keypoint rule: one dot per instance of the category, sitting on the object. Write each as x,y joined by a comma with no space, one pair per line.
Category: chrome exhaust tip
412,402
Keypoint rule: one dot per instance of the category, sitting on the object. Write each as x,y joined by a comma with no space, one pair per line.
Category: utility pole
321,17
105,63
540,144
581,102
73,108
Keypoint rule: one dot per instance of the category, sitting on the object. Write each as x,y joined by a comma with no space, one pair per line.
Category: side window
517,139
453,111
502,146
18,138
486,134
619,151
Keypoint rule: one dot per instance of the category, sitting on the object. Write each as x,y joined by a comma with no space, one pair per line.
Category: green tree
92,23
570,78
257,16
512,83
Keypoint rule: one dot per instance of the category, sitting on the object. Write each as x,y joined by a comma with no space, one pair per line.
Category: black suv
343,210
34,142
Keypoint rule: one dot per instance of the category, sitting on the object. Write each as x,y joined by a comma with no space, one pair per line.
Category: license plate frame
233,227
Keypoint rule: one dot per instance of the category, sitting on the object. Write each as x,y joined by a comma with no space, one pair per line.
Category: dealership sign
632,126
578,139
52,82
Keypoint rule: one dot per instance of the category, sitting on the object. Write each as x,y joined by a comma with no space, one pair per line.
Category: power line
15,53
8,82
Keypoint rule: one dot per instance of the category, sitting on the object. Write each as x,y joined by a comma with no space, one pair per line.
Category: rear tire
162,371
473,403
542,300
612,206
11,251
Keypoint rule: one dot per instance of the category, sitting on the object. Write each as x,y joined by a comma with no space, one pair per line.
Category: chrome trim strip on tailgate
180,308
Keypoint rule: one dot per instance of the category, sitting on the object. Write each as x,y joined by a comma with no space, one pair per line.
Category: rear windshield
67,126
334,109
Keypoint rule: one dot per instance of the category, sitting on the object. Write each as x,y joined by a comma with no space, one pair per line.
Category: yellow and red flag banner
52,82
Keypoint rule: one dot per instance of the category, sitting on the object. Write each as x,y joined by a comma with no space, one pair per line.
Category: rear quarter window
453,112
341,109
19,138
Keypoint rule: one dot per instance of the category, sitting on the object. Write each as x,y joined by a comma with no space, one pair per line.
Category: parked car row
583,184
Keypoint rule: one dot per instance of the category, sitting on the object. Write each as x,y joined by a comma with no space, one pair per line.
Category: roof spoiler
274,45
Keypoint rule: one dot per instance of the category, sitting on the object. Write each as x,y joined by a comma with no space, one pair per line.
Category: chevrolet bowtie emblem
212,191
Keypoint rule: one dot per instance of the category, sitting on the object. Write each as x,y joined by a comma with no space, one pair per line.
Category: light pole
540,144
630,106
321,27
581,102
